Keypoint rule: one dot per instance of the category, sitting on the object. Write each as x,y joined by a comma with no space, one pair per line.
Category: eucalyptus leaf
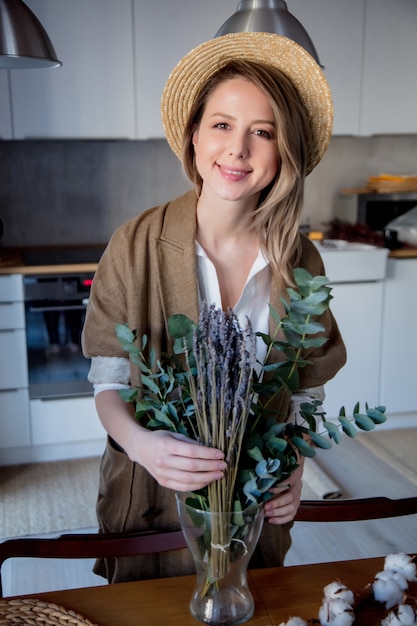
332,429
277,444
377,415
128,395
265,483
148,382
255,454
314,342
180,326
238,518
320,441
124,334
163,418
251,491
363,421
303,447
275,316
347,426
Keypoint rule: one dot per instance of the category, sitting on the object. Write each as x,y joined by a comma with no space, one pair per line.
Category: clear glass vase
221,545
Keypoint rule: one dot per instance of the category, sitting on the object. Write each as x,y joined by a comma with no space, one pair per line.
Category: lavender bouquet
213,389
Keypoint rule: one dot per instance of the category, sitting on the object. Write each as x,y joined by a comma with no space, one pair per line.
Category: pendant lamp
24,43
268,16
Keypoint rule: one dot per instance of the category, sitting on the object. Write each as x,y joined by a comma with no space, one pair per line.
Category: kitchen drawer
12,315
64,421
13,359
11,288
14,418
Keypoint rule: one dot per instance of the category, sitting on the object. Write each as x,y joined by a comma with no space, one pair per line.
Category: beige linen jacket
148,273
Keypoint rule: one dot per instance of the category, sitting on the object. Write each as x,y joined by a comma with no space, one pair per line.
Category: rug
396,447
48,497
60,496
318,484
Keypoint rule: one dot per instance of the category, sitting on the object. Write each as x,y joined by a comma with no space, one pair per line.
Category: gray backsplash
77,192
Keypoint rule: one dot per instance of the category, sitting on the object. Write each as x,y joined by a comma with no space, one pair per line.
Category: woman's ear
195,135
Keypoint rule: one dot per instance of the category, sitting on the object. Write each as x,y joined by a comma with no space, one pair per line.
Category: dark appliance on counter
375,210
60,255
55,306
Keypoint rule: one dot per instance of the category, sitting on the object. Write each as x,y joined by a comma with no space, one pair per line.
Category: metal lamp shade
268,16
24,43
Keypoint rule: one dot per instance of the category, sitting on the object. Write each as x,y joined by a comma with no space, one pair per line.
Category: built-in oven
55,306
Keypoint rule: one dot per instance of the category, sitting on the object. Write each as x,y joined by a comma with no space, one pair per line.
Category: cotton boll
337,590
403,563
294,621
386,588
397,577
336,613
336,609
402,615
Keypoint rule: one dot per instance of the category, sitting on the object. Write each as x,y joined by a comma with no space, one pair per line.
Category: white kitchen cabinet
91,95
357,308
336,29
117,56
11,290
389,67
14,394
357,273
399,346
13,359
165,32
368,48
5,110
65,421
14,418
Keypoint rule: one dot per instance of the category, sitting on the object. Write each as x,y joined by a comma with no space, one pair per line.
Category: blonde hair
277,216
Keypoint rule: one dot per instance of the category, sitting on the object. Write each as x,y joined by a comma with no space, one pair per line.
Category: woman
249,115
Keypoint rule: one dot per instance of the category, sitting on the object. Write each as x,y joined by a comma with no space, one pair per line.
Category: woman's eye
222,125
263,133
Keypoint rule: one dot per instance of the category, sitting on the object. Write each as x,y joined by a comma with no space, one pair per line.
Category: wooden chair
79,546
85,546
354,509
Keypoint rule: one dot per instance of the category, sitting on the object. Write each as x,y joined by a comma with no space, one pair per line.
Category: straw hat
196,67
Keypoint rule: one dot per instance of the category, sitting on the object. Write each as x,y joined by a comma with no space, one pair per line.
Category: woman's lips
233,173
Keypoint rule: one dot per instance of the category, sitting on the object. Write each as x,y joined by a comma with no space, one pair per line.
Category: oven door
56,365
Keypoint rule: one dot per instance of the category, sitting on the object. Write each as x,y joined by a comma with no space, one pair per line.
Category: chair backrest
354,509
84,546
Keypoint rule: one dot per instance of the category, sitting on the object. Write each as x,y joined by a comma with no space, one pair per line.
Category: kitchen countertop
27,270
12,263
403,253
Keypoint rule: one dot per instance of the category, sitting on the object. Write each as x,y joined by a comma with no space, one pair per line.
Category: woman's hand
283,507
177,462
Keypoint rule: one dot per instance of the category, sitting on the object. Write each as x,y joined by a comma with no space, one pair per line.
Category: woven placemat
36,613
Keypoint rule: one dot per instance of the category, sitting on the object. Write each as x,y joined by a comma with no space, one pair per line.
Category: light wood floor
358,472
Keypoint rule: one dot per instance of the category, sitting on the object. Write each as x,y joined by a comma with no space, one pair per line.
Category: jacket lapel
176,255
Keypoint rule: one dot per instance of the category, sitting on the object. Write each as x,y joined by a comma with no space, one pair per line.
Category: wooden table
279,593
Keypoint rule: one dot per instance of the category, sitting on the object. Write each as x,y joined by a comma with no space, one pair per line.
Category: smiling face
235,142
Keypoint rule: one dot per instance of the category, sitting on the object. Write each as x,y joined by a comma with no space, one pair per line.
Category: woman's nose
239,146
